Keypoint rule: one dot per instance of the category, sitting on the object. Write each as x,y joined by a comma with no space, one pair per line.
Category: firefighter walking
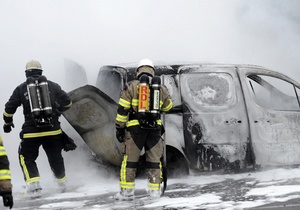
138,125
5,178
43,101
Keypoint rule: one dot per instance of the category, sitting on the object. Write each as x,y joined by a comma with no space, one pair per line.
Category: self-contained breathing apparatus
149,102
39,99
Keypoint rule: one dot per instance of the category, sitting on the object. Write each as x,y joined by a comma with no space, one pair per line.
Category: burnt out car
225,117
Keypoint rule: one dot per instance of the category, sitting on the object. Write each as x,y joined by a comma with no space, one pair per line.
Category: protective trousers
136,139
29,151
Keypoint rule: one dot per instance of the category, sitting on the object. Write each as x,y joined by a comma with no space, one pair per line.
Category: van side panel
216,129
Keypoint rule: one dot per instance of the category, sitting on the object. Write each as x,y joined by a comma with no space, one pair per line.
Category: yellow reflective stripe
41,134
34,179
136,122
121,118
123,169
158,122
25,171
135,102
161,171
5,174
69,105
168,107
127,185
132,123
123,182
7,114
62,179
161,103
124,103
2,151
154,186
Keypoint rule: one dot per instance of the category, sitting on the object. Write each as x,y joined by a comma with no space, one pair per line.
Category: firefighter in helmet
143,130
41,126
5,178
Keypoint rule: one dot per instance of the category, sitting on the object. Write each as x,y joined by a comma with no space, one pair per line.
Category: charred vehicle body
224,117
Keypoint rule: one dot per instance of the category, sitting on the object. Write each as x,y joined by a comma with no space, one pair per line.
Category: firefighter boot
34,189
61,185
154,190
125,194
154,183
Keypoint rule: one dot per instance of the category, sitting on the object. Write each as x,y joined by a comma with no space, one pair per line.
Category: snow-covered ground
94,188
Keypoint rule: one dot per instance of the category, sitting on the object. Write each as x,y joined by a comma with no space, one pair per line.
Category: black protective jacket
5,177
60,102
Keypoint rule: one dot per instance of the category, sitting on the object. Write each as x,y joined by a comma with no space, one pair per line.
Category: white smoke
94,33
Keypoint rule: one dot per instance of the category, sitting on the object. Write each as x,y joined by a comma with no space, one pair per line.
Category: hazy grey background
98,32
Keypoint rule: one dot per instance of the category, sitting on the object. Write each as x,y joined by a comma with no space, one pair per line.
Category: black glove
120,134
60,109
69,144
7,199
7,127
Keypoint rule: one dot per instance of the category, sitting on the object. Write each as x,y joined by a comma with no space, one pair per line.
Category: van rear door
111,80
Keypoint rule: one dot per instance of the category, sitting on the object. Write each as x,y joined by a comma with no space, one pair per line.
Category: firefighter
5,178
139,129
38,130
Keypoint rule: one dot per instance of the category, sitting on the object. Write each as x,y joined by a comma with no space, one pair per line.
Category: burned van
225,117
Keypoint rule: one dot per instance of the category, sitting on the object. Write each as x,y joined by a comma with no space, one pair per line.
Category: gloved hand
7,127
60,109
120,134
7,199
69,144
